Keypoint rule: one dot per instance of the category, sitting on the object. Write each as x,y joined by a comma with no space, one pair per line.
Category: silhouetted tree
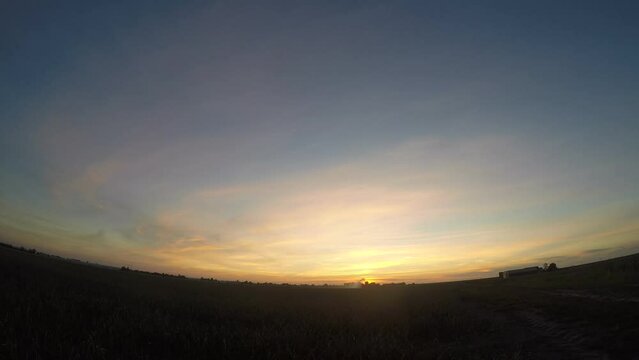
551,267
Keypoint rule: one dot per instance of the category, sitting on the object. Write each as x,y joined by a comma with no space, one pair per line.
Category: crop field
52,308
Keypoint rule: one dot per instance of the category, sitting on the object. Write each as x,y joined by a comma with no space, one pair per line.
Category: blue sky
321,141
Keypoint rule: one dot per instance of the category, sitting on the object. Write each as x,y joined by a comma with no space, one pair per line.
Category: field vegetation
53,308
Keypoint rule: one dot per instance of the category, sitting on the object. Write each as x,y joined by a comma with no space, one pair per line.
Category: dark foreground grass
51,308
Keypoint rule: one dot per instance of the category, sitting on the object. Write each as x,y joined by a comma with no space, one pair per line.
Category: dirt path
597,297
567,337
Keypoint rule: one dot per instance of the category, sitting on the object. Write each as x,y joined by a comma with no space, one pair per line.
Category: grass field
52,308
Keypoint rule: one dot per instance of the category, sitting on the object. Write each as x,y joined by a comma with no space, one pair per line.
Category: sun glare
368,281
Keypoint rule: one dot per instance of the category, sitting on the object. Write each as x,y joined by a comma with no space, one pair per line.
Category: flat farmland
53,308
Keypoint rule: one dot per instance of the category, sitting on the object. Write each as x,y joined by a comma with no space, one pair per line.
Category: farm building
518,272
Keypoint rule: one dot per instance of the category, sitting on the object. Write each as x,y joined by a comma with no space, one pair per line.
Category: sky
321,141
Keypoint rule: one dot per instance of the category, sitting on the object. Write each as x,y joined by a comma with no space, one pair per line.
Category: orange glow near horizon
305,143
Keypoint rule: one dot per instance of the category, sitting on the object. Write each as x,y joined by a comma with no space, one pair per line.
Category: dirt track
567,337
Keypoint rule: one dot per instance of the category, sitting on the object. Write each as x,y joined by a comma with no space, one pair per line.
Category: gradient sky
321,141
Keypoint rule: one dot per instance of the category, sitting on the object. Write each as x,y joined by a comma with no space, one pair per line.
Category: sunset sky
321,141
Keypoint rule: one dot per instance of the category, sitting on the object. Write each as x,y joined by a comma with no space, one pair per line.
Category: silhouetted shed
519,272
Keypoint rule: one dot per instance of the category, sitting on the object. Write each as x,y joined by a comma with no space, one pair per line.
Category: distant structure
353,285
519,272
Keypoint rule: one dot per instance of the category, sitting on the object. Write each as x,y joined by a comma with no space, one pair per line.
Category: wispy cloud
309,143
426,209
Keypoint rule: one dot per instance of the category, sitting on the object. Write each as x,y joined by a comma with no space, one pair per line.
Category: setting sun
278,179
250,152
